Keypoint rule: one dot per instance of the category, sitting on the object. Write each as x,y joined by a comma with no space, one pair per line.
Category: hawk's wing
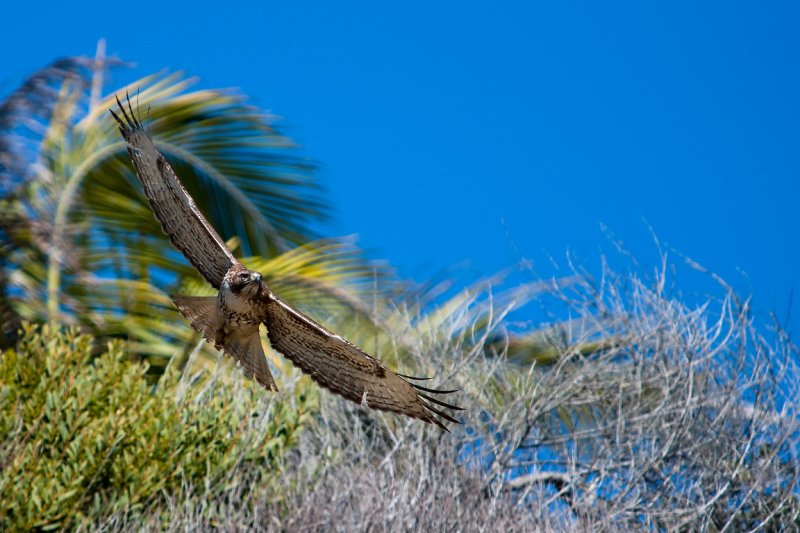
341,367
181,220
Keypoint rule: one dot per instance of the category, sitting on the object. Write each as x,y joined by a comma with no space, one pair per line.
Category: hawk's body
231,320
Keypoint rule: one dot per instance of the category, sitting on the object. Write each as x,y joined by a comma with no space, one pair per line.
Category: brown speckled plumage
231,319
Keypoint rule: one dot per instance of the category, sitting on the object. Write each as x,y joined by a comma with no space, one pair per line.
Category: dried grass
685,419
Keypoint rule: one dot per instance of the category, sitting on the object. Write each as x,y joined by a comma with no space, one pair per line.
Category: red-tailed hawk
231,319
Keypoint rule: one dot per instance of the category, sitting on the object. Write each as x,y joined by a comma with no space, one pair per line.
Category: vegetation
78,240
640,412
87,435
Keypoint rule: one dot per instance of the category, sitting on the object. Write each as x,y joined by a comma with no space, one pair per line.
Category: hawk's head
242,281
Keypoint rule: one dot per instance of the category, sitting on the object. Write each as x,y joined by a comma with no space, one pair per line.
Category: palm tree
79,243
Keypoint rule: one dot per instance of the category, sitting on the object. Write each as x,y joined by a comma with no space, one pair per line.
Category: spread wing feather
342,368
181,220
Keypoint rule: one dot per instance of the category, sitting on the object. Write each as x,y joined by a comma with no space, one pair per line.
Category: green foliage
78,241
86,435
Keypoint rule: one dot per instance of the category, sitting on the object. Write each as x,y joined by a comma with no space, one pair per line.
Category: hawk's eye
243,276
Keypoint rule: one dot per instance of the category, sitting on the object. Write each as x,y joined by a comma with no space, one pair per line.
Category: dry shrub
681,418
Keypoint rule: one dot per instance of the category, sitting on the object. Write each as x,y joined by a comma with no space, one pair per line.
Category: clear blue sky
489,132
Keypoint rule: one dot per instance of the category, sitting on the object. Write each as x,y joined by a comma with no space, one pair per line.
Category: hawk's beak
258,277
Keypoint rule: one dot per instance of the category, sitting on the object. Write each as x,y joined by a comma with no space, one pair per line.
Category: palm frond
83,246
242,173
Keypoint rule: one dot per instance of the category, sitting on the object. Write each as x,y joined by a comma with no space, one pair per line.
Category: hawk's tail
245,348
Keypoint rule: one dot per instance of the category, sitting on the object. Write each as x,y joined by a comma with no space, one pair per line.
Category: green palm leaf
83,246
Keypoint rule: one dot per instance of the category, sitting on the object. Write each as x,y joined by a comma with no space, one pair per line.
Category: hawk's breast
239,309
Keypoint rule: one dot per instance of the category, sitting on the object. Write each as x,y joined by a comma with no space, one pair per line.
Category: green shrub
87,435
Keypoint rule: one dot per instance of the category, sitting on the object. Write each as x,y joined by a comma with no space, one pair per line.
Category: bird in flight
231,320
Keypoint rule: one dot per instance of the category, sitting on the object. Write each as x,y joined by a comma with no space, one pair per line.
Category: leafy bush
88,435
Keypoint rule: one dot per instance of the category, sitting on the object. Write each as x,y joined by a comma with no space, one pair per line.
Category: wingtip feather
130,107
115,117
433,391
441,413
439,402
415,378
130,123
431,411
439,423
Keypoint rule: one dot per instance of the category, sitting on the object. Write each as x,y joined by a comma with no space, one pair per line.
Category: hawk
231,320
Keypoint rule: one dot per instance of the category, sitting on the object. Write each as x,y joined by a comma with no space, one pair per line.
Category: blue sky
493,132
